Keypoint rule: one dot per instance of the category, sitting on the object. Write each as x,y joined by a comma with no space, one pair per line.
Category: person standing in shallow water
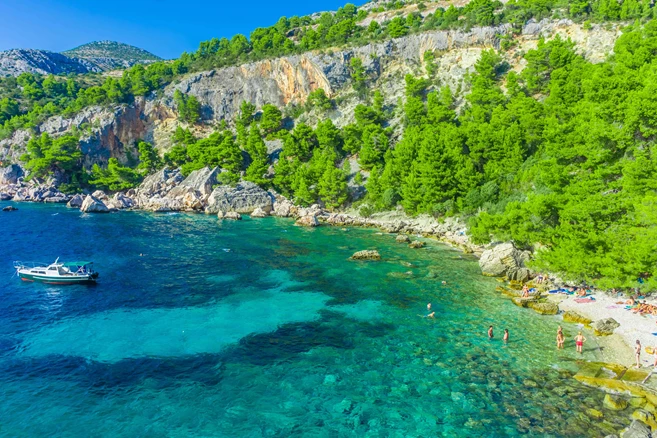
506,335
490,332
579,342
560,338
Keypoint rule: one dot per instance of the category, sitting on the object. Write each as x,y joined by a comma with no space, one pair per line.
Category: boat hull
34,278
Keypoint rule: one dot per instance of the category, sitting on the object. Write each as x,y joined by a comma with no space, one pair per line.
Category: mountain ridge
93,57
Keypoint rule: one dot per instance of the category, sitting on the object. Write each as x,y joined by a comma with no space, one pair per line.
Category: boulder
93,205
402,238
614,402
505,260
307,221
523,302
99,194
120,202
637,429
76,201
159,183
575,317
605,327
10,174
259,213
544,308
199,182
5,196
416,244
57,199
244,198
232,215
366,255
283,208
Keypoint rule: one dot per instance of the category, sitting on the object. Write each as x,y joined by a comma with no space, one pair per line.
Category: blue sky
164,27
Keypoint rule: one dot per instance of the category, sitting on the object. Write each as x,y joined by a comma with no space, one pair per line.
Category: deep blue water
260,328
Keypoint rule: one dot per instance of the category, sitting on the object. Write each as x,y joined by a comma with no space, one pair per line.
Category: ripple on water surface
259,328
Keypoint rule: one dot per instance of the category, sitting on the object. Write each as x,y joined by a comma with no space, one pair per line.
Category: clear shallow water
259,328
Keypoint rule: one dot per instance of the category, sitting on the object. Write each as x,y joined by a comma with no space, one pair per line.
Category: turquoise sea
259,328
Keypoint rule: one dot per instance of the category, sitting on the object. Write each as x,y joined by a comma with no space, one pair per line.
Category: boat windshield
79,267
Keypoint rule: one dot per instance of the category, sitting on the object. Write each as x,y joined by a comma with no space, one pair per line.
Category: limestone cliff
112,132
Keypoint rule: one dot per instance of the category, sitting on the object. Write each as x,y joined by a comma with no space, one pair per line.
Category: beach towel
584,300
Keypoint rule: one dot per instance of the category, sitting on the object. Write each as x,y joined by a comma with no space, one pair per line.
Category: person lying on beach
579,342
581,293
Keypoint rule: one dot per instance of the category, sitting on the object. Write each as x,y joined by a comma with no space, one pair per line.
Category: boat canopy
76,264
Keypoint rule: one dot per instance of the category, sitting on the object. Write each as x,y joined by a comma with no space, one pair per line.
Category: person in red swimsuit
579,342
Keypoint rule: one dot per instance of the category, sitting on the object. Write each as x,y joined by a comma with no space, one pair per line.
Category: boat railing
29,265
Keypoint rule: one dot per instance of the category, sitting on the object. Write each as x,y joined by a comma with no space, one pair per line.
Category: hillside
110,55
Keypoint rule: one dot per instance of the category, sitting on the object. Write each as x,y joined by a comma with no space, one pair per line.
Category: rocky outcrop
76,201
416,244
570,316
120,202
505,260
199,181
544,308
244,198
10,174
366,255
605,327
307,221
156,186
93,205
16,61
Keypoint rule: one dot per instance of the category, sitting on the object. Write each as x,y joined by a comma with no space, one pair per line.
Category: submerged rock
614,402
402,238
9,208
366,255
575,317
605,327
244,198
93,205
232,215
416,244
544,308
523,302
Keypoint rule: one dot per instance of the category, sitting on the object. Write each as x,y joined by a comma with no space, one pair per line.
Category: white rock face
231,215
244,198
505,260
76,201
307,221
259,213
93,205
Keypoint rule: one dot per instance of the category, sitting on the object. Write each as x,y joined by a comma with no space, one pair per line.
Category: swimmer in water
490,332
506,335
431,315
429,306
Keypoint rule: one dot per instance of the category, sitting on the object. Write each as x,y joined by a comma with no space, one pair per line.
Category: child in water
490,332
506,335
560,338
579,342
